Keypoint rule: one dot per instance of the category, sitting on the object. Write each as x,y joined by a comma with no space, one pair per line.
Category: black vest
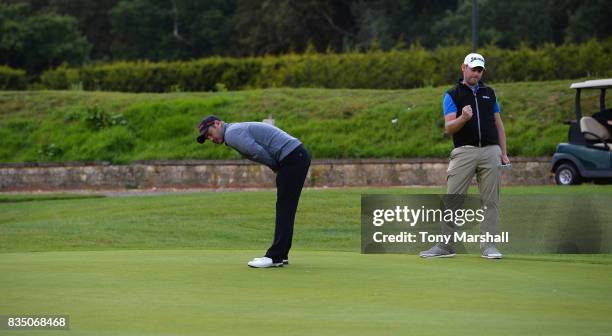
479,131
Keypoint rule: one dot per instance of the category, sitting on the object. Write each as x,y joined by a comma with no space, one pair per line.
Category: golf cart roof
593,84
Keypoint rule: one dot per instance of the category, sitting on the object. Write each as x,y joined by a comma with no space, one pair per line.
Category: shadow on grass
46,197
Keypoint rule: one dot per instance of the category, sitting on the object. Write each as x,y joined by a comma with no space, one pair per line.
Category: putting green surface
197,292
175,264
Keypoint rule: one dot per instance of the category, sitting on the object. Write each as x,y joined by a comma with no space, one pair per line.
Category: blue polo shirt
450,107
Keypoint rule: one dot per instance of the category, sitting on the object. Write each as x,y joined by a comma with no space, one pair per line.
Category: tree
207,25
170,29
388,21
373,25
37,41
506,24
142,29
93,21
592,19
280,26
36,34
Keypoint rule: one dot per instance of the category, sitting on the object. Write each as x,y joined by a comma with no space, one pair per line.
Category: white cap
474,60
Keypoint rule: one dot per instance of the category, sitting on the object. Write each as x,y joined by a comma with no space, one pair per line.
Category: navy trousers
290,179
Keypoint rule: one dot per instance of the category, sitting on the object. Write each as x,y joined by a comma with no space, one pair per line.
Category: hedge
12,79
396,69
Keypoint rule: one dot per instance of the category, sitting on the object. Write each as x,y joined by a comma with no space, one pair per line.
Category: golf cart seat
595,133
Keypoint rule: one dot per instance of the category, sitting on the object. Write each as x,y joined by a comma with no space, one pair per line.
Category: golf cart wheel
566,174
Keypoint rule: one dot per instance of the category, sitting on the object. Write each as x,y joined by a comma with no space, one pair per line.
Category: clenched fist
466,112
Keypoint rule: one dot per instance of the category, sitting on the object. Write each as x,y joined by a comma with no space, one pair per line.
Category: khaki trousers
484,162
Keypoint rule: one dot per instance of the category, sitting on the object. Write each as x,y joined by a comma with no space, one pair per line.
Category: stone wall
244,174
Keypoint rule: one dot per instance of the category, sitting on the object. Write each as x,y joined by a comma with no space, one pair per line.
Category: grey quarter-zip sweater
260,142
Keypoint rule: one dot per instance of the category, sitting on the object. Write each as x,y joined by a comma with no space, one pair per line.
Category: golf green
203,292
175,264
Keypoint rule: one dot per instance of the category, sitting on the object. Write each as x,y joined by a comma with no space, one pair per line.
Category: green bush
61,78
382,70
12,79
98,119
202,75
396,69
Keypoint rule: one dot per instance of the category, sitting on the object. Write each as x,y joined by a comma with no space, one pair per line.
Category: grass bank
60,126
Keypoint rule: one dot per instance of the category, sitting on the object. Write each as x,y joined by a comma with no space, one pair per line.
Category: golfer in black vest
285,155
473,117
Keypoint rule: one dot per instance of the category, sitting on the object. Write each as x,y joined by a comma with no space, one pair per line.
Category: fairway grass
320,293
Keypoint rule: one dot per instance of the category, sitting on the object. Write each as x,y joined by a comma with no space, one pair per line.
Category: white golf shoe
491,252
264,262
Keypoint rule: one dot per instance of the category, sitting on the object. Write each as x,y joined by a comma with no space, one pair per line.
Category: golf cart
588,155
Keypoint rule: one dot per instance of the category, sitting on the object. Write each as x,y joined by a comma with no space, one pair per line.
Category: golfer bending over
282,153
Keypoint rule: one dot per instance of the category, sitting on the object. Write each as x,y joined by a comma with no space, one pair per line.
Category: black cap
203,127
